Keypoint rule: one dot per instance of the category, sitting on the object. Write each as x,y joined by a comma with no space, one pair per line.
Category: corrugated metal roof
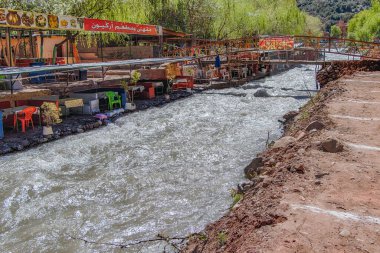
70,67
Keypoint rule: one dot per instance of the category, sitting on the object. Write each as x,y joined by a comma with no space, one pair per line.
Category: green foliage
50,113
222,238
314,26
335,31
236,197
331,11
49,6
366,24
202,237
203,18
135,76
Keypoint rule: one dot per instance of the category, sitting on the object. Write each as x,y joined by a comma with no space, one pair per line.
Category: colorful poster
33,20
98,25
276,43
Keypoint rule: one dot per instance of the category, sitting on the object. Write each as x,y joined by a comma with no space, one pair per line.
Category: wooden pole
101,53
31,43
229,62
67,48
42,46
161,41
9,46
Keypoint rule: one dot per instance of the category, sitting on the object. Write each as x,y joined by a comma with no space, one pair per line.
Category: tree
366,24
219,19
335,31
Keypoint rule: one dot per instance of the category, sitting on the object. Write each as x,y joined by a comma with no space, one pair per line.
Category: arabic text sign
33,20
98,25
276,43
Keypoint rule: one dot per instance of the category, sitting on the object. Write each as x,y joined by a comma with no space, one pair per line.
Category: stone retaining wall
339,69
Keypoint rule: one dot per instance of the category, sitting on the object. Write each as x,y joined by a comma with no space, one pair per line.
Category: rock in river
290,115
252,169
262,93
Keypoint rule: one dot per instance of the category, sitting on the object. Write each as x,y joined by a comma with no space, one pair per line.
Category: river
165,170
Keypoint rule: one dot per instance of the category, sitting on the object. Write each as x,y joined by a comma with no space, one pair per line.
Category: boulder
315,125
290,115
262,93
332,145
251,170
284,142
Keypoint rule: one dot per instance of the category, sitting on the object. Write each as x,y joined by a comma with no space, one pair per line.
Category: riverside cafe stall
29,22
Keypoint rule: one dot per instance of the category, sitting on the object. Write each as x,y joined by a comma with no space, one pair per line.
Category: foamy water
166,170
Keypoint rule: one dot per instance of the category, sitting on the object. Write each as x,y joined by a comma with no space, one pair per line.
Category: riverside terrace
84,92
85,103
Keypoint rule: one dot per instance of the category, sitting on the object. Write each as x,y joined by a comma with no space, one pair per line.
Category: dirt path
333,203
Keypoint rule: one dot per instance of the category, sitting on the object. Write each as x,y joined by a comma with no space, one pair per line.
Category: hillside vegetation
366,24
331,11
202,18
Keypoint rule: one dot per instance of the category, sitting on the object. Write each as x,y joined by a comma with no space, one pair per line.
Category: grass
222,238
236,197
202,237
305,111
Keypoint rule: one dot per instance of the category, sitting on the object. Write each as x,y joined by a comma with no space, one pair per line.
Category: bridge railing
342,46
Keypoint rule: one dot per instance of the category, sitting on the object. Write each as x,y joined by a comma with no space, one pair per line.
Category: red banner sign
98,25
276,43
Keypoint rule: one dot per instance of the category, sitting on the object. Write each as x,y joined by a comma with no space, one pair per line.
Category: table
136,88
38,101
15,110
68,103
133,89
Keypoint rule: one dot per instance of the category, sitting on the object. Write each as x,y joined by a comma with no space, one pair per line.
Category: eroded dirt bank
317,189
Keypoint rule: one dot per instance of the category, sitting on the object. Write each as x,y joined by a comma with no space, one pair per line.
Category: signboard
276,43
98,25
33,20
40,21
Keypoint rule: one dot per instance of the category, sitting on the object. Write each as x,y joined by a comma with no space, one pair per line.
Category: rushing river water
165,170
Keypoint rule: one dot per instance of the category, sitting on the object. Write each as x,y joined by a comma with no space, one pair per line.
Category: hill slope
331,11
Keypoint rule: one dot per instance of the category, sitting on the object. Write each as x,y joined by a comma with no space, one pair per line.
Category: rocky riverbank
339,69
307,192
15,142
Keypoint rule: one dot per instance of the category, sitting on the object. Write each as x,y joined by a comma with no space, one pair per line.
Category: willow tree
45,6
218,19
166,13
247,17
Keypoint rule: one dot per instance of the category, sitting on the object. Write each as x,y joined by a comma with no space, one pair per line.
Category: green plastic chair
113,99
3,84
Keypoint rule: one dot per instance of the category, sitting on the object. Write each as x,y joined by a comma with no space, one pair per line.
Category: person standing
218,64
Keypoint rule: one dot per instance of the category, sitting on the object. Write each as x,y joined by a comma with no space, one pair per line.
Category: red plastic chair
182,84
25,117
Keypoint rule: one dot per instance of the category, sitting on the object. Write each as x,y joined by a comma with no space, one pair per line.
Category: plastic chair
25,117
113,99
